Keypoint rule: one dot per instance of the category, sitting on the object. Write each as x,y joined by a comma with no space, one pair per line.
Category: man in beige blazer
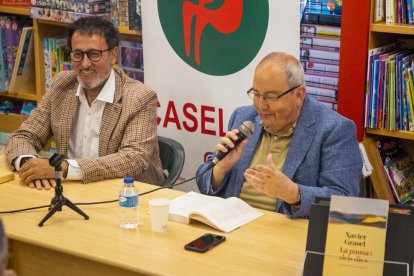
102,120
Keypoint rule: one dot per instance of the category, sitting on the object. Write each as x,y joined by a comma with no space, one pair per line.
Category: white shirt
84,139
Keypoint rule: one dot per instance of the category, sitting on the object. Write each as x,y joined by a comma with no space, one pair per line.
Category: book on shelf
326,69
379,11
16,3
3,66
123,14
131,59
321,81
134,15
330,57
223,214
13,29
320,43
356,236
23,76
399,168
313,29
63,16
379,177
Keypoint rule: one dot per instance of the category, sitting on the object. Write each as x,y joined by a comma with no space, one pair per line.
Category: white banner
200,58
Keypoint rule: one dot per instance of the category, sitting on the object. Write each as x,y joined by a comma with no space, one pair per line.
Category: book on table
223,214
356,235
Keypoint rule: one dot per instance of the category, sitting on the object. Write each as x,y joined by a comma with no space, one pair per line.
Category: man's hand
271,181
38,173
43,183
220,170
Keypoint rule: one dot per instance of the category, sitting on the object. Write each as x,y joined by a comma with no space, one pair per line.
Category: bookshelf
380,34
42,28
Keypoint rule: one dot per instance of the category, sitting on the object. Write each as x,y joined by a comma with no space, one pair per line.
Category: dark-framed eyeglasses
93,55
268,97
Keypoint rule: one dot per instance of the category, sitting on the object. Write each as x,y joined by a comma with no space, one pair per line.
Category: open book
222,214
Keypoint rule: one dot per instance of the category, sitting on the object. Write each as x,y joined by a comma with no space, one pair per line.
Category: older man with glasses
299,149
102,120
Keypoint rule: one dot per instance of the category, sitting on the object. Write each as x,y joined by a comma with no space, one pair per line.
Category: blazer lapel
110,115
67,120
301,140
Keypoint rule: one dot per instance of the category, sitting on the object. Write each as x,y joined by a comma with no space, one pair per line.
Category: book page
227,214
222,214
181,207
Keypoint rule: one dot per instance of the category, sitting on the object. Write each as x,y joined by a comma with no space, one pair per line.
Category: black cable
21,210
108,201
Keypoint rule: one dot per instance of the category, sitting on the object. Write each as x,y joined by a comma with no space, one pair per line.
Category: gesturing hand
271,181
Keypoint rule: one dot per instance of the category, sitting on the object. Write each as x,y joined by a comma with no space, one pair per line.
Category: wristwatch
24,160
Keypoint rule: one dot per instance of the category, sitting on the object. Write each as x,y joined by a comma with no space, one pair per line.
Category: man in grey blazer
102,120
299,150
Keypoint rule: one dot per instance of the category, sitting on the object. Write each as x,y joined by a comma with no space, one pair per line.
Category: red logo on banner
225,19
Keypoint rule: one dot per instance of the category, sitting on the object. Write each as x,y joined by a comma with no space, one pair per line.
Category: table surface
272,244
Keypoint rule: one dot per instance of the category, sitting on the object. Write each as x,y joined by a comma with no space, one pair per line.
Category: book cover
401,171
355,240
223,214
321,68
134,15
131,59
313,29
2,61
12,37
379,11
17,3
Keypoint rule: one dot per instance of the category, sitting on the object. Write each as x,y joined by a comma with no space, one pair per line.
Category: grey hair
293,68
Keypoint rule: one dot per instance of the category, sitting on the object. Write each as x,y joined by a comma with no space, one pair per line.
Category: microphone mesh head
247,128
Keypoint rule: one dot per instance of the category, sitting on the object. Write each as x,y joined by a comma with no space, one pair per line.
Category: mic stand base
59,200
56,205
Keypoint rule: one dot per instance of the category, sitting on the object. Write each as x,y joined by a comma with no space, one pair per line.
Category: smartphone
205,243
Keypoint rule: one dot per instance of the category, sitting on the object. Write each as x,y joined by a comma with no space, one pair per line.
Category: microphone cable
108,201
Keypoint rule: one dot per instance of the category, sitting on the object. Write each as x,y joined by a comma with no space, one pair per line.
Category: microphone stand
59,200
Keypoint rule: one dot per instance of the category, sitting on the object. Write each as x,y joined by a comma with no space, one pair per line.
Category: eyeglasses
269,97
93,55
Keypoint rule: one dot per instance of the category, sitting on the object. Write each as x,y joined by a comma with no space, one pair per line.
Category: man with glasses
102,120
299,149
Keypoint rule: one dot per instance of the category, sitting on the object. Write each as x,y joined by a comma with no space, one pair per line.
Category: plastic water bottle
128,204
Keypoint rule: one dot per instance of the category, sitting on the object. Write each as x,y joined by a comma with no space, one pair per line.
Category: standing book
356,234
223,214
22,79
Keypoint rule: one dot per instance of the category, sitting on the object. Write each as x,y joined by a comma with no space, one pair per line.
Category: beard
99,81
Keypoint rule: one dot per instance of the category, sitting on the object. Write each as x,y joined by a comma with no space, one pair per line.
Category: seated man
102,120
299,150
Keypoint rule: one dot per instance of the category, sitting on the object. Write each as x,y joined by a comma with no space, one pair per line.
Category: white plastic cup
159,208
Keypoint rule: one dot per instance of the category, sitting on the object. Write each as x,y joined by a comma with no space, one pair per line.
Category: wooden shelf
126,31
22,96
395,28
11,122
122,31
15,10
391,133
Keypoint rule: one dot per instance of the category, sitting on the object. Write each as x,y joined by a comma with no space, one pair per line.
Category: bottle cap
128,179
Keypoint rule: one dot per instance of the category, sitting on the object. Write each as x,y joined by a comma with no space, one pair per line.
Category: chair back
172,157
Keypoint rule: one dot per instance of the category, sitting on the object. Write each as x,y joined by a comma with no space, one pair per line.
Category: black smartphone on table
205,243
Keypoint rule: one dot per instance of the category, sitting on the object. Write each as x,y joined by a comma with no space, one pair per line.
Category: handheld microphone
245,130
